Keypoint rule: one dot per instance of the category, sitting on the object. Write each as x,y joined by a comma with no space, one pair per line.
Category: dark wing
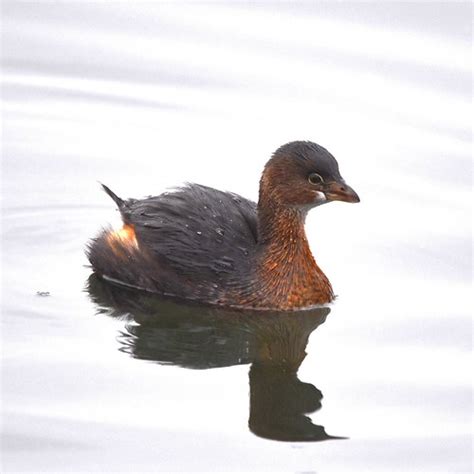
201,233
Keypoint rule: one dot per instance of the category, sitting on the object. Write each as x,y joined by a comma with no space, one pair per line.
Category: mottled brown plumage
213,247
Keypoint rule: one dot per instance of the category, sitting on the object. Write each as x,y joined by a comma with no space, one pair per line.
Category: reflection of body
209,246
200,338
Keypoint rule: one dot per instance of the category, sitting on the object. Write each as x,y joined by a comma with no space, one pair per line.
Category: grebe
215,247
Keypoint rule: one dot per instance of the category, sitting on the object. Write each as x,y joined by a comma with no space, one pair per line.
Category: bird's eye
315,178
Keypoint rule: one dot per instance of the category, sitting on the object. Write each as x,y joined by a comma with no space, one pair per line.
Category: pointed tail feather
116,199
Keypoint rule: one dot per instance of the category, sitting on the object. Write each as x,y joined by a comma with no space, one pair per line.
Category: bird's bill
340,191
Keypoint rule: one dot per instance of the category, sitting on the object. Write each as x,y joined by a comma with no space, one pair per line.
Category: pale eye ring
315,178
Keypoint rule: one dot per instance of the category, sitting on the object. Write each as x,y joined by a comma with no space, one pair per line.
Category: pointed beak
340,191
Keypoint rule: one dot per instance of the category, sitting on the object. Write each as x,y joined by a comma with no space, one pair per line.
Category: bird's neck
280,227
287,270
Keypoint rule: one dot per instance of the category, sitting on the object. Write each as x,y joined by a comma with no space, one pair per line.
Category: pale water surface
145,96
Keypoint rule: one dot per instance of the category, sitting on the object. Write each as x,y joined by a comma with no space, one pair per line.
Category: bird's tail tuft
116,199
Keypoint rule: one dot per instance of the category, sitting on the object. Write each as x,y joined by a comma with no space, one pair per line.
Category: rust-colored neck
288,274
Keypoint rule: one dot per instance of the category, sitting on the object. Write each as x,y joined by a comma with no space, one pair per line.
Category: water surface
144,97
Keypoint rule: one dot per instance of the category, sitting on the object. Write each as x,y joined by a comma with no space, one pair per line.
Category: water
144,97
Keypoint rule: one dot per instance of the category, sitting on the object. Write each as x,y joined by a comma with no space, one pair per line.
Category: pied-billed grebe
201,244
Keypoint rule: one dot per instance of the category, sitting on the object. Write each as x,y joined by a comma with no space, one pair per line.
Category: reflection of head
204,337
278,404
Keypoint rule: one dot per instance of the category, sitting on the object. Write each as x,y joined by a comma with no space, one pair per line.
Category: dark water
144,97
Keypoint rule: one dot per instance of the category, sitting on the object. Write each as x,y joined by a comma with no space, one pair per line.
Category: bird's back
196,243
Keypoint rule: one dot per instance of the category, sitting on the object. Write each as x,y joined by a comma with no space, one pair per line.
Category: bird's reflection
199,337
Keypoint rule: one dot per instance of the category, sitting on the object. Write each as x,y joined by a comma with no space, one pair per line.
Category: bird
211,247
